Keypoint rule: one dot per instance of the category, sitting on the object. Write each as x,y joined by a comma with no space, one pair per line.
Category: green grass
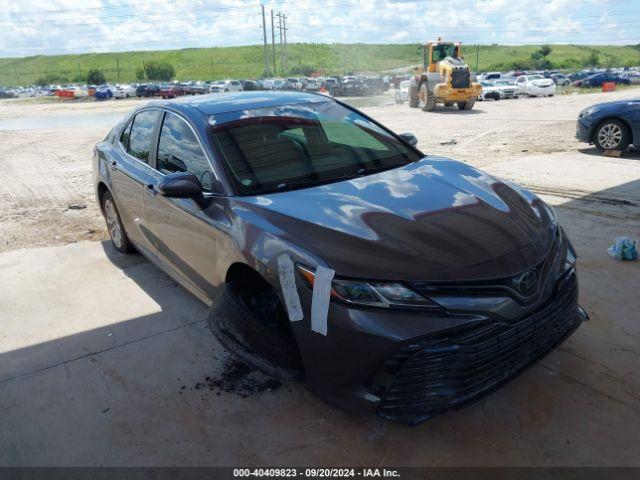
247,61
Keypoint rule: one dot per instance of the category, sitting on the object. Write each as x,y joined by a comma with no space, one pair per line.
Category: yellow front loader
443,78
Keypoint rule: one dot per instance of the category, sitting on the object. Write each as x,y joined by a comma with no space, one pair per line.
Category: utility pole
279,15
477,56
17,76
356,67
286,59
212,70
264,38
273,44
118,69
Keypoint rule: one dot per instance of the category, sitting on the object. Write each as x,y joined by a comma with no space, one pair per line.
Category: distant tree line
539,60
159,71
155,71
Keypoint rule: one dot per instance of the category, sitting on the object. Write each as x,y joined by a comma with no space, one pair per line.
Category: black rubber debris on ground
238,378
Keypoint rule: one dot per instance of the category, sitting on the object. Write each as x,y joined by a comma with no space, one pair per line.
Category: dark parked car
171,90
199,89
599,78
332,251
249,85
147,90
610,126
103,92
377,85
351,88
7,94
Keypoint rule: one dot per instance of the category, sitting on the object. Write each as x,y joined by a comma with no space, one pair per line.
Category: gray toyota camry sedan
332,251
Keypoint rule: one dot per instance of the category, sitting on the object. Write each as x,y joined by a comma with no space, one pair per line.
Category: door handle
113,165
151,189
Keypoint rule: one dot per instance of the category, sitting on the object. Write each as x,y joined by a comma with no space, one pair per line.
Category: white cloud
61,26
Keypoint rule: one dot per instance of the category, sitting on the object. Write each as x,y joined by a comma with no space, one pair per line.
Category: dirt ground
111,362
46,195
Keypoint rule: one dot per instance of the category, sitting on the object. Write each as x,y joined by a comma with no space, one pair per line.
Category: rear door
186,235
131,172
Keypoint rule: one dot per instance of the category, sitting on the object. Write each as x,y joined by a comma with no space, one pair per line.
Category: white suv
225,86
123,91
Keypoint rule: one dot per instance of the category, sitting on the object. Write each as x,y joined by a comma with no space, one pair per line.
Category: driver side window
180,151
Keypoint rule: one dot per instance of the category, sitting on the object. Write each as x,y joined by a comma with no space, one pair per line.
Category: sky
72,26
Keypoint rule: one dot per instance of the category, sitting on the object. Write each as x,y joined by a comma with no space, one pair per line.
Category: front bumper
408,366
432,375
583,130
540,91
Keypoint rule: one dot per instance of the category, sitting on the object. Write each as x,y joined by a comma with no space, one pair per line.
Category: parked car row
584,78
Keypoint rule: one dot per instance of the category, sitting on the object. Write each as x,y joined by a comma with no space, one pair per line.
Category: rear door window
124,137
180,151
141,135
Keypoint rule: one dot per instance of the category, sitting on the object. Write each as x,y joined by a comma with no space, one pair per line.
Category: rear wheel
427,98
117,233
468,105
612,134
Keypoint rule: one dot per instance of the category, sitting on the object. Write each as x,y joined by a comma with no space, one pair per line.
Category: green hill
247,62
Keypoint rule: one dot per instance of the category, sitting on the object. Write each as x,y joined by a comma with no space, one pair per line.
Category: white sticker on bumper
289,290
321,297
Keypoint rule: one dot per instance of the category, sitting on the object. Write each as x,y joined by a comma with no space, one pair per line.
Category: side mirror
410,138
182,185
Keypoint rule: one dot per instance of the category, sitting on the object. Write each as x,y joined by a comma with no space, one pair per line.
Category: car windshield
440,52
295,146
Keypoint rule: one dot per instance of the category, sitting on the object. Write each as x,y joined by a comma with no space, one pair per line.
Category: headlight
570,259
587,111
372,293
550,212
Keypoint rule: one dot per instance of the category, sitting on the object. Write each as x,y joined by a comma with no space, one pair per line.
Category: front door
186,236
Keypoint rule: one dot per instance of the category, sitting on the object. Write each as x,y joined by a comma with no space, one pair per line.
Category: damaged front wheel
253,325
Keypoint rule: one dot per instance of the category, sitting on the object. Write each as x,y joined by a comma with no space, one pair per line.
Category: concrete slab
95,348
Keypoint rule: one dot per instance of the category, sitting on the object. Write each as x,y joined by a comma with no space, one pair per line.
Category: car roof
230,102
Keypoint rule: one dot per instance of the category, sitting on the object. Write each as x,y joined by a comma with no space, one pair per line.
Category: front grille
435,374
460,78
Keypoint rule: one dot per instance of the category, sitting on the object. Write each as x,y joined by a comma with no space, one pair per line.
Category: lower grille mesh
434,375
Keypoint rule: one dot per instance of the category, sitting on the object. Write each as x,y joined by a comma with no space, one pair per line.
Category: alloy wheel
609,136
113,223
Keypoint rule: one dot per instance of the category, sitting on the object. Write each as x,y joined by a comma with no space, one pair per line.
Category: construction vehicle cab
444,78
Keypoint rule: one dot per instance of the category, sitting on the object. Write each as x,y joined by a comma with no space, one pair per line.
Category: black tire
612,134
119,238
264,343
427,99
468,105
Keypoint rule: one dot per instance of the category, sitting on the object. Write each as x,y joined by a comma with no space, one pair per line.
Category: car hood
617,104
435,219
